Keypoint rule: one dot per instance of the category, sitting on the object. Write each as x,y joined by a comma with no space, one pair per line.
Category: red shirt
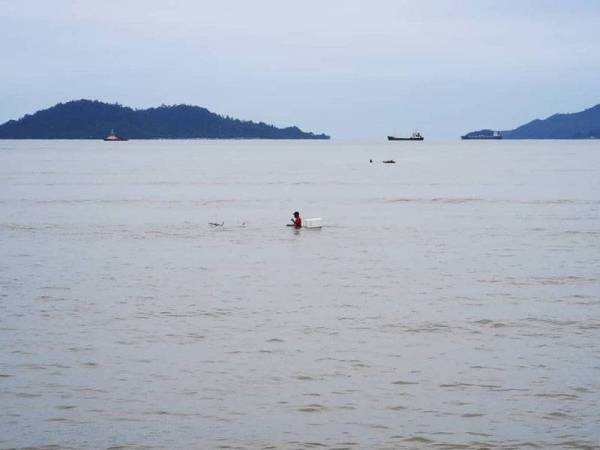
298,222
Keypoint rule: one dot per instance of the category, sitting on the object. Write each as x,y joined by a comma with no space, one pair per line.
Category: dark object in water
416,136
389,161
214,224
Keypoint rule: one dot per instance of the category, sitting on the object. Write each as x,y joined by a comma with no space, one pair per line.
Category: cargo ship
483,134
112,137
416,136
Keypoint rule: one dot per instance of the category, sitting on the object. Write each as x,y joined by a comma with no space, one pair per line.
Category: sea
451,299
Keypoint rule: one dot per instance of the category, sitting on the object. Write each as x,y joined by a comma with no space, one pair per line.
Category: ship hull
486,138
393,138
118,139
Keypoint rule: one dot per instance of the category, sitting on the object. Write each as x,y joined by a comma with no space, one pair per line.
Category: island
580,125
92,119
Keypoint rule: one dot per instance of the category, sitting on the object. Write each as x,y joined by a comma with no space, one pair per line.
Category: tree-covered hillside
580,125
88,119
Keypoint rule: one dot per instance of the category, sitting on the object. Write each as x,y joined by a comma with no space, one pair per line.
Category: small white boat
112,137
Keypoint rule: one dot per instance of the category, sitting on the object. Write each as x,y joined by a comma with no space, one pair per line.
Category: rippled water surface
452,300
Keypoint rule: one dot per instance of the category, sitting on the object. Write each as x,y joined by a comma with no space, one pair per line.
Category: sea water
451,300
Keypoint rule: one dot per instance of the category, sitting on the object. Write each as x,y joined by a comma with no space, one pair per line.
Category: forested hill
580,125
89,119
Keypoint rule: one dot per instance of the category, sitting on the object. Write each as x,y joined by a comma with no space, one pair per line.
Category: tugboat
112,137
416,136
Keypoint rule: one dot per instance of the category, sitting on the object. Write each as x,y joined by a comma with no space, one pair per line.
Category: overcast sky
350,68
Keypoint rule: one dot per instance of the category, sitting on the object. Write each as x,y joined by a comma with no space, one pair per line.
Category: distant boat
488,135
416,136
112,137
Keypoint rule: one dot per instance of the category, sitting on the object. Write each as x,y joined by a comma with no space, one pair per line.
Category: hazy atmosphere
172,278
351,69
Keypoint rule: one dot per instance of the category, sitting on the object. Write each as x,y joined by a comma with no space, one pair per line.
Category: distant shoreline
582,125
165,139
92,119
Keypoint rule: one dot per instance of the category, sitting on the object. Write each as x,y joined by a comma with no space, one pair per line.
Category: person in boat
296,220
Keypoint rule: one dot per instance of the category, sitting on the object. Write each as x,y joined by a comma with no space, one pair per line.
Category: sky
354,69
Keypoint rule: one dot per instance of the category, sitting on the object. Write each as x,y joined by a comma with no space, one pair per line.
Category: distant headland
580,125
92,119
